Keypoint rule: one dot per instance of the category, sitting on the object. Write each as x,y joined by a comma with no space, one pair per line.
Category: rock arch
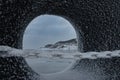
95,21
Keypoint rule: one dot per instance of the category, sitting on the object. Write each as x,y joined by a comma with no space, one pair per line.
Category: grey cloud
47,29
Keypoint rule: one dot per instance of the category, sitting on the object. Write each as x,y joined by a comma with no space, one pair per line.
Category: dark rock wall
16,68
99,69
97,24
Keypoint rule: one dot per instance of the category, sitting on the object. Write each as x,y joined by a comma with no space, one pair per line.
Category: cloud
47,29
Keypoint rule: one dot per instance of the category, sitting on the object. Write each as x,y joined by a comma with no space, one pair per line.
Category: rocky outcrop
62,44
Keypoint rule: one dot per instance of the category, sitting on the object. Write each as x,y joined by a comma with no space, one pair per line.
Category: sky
47,29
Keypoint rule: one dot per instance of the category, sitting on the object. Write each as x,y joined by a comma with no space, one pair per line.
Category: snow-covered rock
63,45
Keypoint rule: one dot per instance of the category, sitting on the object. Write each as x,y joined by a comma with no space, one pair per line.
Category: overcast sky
47,29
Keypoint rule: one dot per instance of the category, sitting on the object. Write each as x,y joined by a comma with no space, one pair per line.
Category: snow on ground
62,54
52,64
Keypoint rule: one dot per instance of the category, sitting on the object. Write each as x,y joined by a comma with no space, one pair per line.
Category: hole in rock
46,39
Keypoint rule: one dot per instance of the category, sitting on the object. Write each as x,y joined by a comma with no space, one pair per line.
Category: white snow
66,54
55,64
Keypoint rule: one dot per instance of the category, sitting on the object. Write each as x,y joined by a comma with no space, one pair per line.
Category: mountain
68,44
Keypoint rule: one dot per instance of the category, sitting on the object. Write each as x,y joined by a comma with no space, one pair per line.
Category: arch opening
49,34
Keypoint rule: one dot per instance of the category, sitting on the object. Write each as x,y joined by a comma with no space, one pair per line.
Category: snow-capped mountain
68,44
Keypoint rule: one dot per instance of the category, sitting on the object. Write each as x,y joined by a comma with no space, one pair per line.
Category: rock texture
97,24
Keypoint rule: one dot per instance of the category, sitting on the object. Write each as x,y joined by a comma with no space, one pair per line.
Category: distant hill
63,44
